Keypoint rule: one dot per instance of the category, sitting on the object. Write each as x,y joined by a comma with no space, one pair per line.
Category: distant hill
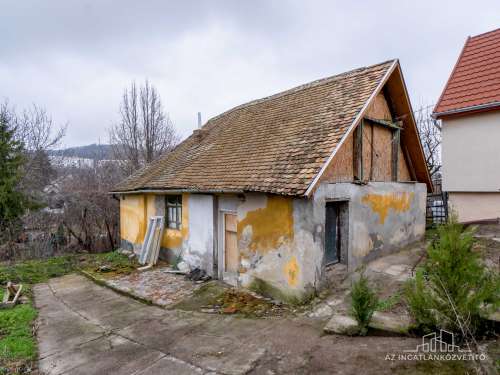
93,151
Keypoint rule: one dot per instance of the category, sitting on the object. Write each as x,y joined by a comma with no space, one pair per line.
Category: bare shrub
430,136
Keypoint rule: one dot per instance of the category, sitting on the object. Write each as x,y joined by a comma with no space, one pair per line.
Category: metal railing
437,208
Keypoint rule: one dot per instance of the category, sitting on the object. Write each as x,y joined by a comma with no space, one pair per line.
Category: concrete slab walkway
84,328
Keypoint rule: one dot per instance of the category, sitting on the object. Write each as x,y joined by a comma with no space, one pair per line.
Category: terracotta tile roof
475,80
276,144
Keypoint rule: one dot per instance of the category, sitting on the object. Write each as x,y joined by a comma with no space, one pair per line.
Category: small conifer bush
364,302
453,286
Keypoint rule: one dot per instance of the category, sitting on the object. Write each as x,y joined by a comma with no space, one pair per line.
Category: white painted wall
475,206
471,153
198,248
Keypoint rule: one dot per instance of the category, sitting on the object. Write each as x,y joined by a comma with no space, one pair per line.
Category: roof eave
474,108
176,191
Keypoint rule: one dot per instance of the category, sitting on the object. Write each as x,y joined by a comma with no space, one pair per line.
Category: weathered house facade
469,108
275,190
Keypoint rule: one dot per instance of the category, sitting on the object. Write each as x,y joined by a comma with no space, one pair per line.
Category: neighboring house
273,191
469,108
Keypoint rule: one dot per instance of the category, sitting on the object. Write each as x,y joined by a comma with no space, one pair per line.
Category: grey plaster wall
378,217
383,216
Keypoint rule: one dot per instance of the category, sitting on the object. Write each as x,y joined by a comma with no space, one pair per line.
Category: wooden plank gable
374,146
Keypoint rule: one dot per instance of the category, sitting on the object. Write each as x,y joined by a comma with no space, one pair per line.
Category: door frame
229,277
342,234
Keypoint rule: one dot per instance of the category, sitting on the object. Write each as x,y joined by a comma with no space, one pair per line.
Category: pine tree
12,201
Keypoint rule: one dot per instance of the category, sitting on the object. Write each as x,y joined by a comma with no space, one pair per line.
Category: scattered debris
126,252
322,311
234,301
11,296
174,272
152,242
145,268
104,268
183,267
209,311
394,323
342,324
230,309
197,275
215,297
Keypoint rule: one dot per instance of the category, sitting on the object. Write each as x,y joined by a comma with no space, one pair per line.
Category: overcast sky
76,57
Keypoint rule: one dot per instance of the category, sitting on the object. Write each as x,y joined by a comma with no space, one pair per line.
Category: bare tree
79,214
91,214
145,130
35,128
36,131
430,136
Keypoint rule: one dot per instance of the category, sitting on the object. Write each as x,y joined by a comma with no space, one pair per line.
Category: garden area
455,286
452,286
18,350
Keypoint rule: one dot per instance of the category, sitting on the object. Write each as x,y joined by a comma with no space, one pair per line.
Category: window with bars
174,211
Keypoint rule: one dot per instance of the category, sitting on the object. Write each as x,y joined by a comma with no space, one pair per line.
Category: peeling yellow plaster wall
150,206
270,226
133,218
382,203
292,272
173,238
135,211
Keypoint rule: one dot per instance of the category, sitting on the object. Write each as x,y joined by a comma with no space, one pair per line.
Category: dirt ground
87,329
212,328
488,244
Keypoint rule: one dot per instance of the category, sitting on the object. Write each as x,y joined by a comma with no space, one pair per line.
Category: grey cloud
75,57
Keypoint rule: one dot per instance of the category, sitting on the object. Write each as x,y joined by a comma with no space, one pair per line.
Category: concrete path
87,329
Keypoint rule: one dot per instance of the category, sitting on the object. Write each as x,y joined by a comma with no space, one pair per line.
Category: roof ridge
487,32
298,88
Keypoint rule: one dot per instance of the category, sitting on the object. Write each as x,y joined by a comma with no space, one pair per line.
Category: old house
469,108
276,190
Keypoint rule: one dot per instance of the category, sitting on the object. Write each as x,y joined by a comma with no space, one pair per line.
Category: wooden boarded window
174,211
231,254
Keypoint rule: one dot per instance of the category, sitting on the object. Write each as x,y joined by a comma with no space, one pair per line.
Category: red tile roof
277,144
475,81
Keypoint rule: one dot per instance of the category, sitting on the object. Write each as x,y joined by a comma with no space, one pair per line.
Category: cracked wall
383,216
278,245
193,242
281,239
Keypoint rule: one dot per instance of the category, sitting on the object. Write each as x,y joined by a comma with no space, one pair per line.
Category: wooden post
396,135
372,147
358,152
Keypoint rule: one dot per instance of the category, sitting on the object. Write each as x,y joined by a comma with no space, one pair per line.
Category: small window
174,211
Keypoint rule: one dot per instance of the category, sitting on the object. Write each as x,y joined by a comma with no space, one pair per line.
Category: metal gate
437,208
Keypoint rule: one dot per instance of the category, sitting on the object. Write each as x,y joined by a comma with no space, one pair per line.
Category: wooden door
231,254
332,233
